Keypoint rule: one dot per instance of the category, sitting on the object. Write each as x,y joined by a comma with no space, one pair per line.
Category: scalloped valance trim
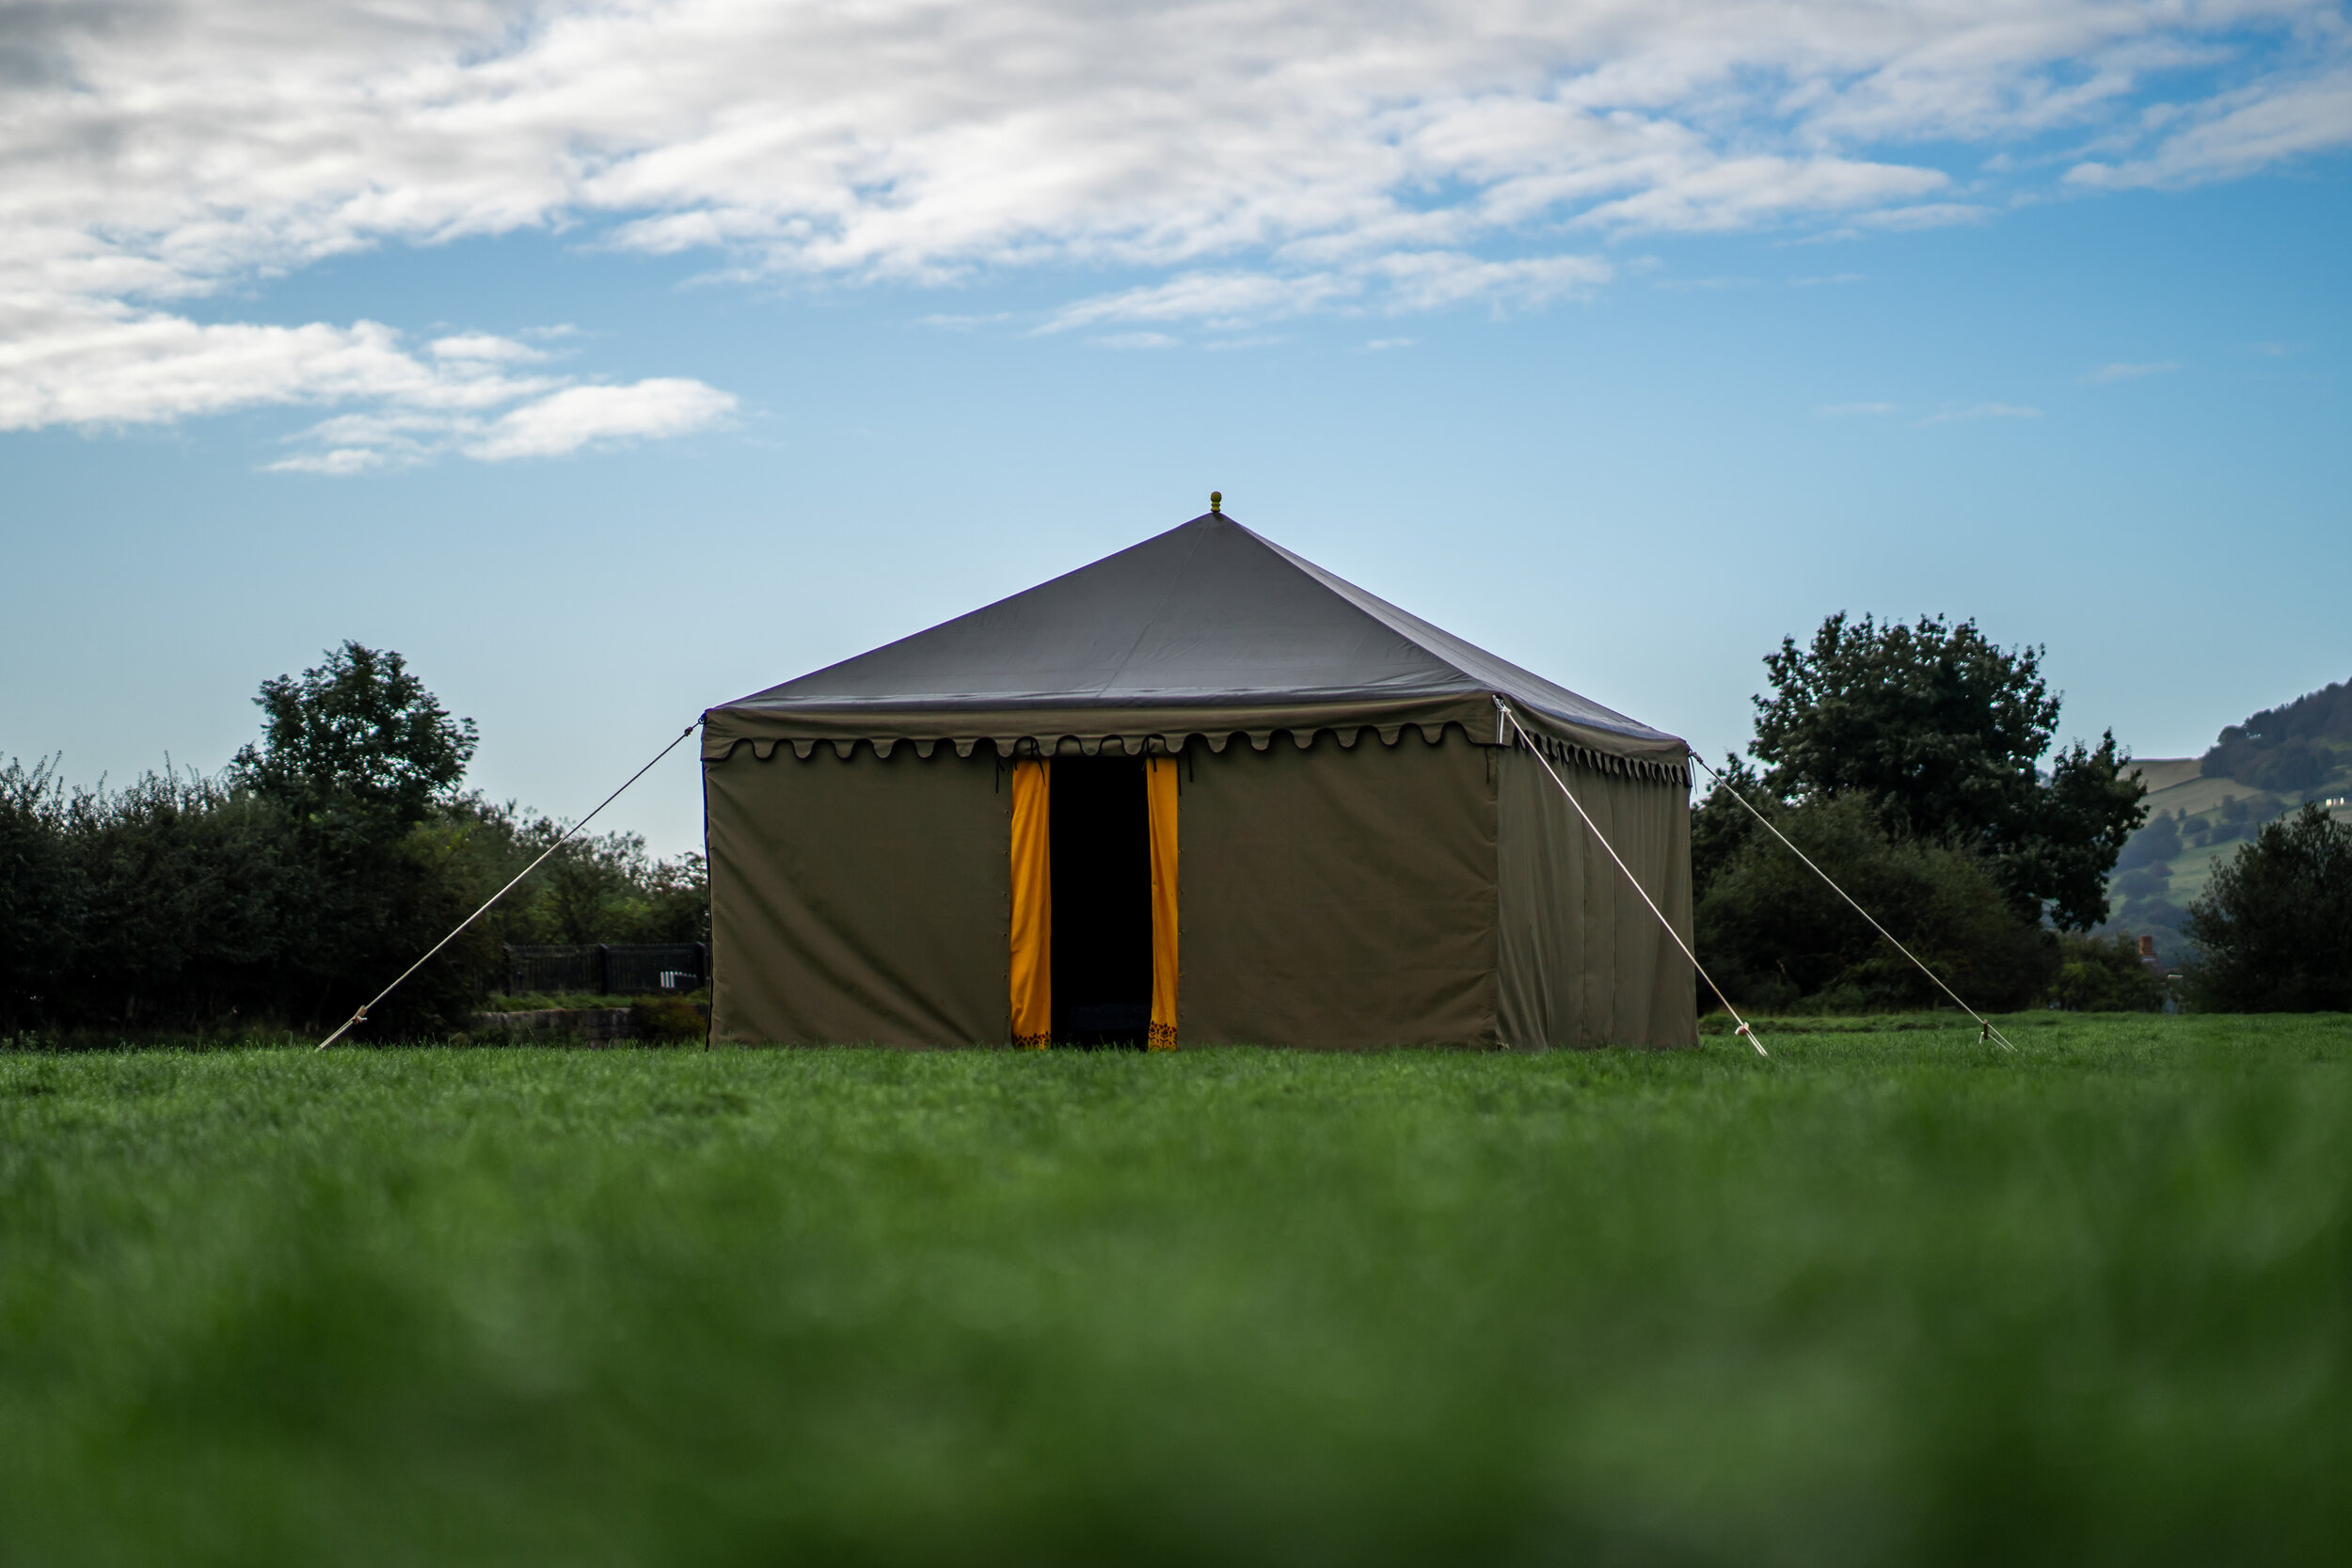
1568,754
1012,748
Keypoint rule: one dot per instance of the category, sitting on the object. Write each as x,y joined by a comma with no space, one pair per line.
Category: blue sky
612,365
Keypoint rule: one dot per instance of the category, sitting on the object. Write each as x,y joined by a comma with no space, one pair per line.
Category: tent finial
1216,501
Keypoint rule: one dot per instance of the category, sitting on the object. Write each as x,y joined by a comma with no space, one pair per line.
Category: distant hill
2202,810
2297,747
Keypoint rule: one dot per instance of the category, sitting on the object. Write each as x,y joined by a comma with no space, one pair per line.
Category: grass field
1887,1296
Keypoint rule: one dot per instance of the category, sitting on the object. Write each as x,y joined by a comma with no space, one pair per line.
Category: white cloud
1136,339
1984,411
1433,279
1220,299
78,361
1930,214
2255,126
2131,373
1252,159
481,347
551,425
576,416
1377,344
1392,284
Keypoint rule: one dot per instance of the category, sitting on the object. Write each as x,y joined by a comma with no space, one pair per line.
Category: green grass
1887,1296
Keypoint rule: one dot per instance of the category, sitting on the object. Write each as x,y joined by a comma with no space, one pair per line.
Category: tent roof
1207,629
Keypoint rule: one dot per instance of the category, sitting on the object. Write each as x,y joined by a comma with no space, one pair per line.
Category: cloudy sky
611,361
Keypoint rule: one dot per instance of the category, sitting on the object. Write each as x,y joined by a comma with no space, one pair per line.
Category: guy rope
1984,1026
1537,753
361,1016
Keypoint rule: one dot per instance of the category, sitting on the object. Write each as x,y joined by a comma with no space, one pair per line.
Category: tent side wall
1337,897
859,900
1581,961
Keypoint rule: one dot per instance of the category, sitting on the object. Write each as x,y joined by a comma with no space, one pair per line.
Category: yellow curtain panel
1160,791
1032,906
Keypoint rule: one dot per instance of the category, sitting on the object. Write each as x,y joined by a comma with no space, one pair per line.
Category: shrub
2105,975
668,1020
1775,937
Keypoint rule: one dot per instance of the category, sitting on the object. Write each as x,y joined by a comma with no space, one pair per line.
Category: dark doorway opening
1102,868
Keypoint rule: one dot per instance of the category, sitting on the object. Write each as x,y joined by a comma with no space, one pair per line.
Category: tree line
289,887
1906,759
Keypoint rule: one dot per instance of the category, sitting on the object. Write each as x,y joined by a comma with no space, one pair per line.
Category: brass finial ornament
1216,501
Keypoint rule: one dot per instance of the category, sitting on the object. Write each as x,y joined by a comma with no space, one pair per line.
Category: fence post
702,963
604,969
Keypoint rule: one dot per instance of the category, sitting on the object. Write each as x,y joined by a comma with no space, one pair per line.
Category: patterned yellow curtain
1032,906
1160,791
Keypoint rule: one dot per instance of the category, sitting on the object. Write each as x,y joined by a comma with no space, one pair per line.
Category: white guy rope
1985,1029
1504,708
360,1017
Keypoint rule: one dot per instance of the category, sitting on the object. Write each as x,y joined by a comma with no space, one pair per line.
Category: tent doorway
1102,872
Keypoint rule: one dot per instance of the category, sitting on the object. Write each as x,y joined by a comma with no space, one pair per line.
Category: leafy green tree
1940,732
360,757
357,736
2274,928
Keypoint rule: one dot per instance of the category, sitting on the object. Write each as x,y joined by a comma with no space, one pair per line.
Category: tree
1940,732
360,756
357,736
2274,930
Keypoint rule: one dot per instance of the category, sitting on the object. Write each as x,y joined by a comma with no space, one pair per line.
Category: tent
1201,791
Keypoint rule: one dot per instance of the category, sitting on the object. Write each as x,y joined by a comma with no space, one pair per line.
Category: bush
2105,975
1775,936
668,1020
2274,930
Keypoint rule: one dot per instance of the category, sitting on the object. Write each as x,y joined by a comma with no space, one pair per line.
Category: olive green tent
1201,791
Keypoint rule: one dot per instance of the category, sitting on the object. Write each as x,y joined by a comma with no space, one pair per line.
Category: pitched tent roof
1207,629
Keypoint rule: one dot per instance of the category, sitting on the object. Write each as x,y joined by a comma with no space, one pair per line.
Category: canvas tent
1201,791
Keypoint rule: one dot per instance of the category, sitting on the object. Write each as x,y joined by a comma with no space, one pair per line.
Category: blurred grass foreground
1887,1296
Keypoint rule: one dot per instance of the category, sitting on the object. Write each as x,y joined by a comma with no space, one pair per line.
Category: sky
613,361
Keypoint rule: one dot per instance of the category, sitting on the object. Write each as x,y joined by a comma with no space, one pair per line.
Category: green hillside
2202,810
